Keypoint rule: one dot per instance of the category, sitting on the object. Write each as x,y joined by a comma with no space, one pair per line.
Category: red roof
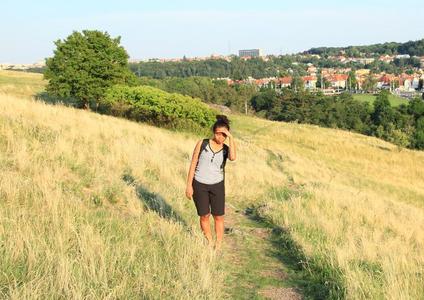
285,80
338,77
309,78
406,76
386,78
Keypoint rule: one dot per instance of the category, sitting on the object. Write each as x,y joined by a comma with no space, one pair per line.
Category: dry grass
361,206
21,84
72,227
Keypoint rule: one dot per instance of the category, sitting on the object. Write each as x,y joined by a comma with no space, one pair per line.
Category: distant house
283,82
264,82
386,58
329,71
337,80
402,56
386,81
415,82
366,61
405,82
310,82
312,70
362,72
228,80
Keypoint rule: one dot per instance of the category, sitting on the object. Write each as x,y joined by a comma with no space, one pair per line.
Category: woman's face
219,136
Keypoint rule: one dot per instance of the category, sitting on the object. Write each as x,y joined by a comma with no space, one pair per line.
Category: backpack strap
226,152
205,143
202,147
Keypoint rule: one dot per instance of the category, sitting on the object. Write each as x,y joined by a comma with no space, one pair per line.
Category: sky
170,29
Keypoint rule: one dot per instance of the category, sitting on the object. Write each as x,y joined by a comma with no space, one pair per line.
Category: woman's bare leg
219,230
206,227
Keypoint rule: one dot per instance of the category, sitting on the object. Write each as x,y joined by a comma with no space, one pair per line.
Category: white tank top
208,169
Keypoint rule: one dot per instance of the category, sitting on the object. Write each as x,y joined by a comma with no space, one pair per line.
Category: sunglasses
221,133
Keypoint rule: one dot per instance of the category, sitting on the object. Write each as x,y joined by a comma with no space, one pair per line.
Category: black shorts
209,195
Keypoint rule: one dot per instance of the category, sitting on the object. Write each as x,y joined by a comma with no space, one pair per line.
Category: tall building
250,53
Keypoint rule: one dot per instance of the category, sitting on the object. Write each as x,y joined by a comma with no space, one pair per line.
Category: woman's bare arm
232,154
193,164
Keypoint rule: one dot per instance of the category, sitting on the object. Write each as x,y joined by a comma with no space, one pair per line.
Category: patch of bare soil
275,273
274,293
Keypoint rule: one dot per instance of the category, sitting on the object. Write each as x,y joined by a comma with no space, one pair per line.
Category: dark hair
221,121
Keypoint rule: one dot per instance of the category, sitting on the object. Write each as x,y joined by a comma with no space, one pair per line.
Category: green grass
394,100
255,264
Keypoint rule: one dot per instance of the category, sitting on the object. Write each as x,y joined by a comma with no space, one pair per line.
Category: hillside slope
72,186
75,187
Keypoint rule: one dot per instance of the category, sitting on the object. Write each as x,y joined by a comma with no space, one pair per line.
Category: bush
159,108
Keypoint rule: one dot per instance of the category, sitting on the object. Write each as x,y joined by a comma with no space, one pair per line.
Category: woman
205,182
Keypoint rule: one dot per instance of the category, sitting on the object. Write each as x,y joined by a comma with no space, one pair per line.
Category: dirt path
252,261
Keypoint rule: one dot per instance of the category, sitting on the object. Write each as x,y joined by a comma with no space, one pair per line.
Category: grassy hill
93,207
21,84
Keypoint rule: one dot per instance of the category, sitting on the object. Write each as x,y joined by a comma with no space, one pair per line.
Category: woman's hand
224,131
189,192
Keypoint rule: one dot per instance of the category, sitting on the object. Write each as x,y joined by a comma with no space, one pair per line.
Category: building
312,70
284,82
366,61
406,82
249,53
337,80
386,58
310,82
387,81
400,56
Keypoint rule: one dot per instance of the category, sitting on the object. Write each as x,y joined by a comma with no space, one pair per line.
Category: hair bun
221,121
222,118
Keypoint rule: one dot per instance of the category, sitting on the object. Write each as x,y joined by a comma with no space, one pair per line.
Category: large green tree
84,65
383,112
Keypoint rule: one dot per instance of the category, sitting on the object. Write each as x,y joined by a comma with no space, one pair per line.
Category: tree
322,82
352,83
369,83
264,100
383,112
297,83
419,134
416,108
85,65
239,70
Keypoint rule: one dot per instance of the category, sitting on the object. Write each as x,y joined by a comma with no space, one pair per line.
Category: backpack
205,143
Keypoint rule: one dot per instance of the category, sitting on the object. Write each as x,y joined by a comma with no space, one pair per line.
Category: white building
251,53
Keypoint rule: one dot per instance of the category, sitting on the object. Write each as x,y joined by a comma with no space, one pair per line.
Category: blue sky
159,28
